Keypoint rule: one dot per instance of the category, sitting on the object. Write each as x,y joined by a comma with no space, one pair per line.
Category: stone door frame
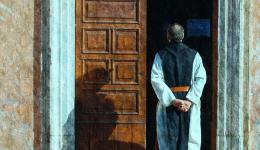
58,75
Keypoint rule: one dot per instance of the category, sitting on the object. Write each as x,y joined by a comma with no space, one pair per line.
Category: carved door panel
110,74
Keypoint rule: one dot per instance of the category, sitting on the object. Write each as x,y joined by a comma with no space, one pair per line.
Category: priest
178,78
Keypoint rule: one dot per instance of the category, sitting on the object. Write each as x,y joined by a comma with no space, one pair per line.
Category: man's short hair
175,32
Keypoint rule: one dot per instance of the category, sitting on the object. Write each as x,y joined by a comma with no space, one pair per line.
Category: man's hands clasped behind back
182,105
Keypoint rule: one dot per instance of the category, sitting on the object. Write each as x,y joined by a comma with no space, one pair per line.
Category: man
178,78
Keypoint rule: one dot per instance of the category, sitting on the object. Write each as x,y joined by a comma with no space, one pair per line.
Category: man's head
175,33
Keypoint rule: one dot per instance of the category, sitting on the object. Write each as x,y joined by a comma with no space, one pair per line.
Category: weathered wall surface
254,68
16,74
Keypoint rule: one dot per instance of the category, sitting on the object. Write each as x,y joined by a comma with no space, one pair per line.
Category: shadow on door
196,17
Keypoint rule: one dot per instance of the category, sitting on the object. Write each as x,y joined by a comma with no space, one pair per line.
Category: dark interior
160,14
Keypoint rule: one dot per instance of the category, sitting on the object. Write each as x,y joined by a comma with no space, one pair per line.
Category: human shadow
97,126
68,132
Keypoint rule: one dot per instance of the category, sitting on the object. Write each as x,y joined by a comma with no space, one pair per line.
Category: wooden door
110,74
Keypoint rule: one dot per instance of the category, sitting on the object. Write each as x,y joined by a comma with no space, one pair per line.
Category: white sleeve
198,81
163,92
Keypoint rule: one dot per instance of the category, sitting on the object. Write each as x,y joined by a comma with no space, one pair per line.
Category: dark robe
177,64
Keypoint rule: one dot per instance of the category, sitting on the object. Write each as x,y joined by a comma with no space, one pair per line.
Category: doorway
62,46
111,70
197,18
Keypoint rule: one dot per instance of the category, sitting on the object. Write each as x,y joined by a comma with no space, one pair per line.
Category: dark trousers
178,124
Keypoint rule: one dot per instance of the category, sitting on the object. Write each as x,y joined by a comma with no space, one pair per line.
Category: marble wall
254,80
16,74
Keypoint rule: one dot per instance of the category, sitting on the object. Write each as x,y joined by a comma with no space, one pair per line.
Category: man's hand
187,105
182,105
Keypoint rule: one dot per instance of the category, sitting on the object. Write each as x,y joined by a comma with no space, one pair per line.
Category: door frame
214,70
58,75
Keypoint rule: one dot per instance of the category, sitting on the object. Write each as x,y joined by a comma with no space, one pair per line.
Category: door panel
110,74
